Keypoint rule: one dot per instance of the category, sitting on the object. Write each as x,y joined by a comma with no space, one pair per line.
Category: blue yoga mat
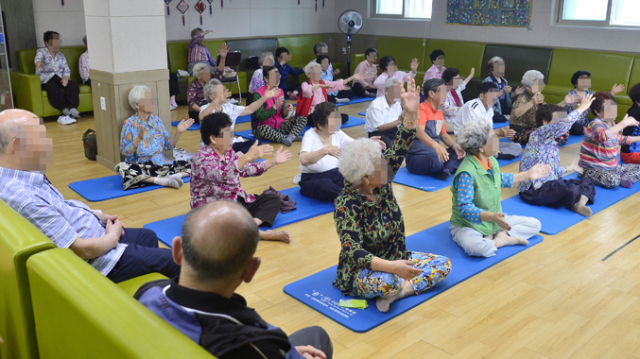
317,290
497,125
110,187
356,99
429,183
572,140
194,127
557,220
364,113
353,121
243,119
307,208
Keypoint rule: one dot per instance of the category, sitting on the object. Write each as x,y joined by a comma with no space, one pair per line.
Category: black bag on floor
90,144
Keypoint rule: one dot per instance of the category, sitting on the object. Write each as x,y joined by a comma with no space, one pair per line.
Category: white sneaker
297,178
172,107
66,120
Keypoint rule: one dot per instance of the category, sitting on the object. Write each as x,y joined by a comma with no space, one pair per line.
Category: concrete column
127,47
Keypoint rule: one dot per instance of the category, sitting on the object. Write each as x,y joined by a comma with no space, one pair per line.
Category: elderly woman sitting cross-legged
477,222
273,121
217,169
195,92
142,141
374,261
320,152
314,91
553,190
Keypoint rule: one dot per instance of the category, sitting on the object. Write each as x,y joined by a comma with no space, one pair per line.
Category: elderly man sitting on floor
94,236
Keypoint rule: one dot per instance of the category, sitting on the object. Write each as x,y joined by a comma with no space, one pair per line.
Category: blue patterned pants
371,284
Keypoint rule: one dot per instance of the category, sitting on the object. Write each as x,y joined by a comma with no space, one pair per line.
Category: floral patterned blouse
527,119
156,139
257,81
195,94
51,66
542,148
214,178
583,120
83,66
366,229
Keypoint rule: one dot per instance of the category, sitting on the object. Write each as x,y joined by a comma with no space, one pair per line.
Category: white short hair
264,56
8,131
310,66
136,95
392,81
210,89
473,135
198,68
531,76
495,59
358,159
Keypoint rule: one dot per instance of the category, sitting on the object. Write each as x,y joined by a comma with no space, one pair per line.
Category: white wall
253,18
544,32
68,20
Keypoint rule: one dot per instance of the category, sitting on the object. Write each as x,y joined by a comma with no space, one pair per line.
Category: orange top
484,165
427,113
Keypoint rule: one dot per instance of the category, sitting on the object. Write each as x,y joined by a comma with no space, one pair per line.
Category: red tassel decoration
182,19
62,2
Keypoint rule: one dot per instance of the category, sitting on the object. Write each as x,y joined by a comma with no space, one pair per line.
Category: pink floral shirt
370,73
214,178
318,95
433,73
83,66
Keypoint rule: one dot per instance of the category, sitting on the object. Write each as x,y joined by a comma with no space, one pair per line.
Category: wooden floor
555,300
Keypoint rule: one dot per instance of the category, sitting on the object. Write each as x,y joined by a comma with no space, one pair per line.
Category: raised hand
585,103
377,139
279,101
336,72
185,124
227,94
282,156
569,98
473,72
629,121
414,65
519,90
405,269
410,98
538,171
537,99
507,89
224,50
617,88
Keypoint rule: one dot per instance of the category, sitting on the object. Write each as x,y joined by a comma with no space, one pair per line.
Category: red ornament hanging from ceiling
200,7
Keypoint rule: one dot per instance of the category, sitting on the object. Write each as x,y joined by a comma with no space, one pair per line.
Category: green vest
487,195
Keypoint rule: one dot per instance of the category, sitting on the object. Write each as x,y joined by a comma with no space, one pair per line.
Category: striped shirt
600,147
199,53
34,197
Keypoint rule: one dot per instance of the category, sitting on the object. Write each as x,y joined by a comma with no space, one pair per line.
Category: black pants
341,94
314,336
311,123
195,115
173,84
325,186
388,136
62,97
577,130
291,88
359,90
142,256
264,208
88,82
243,146
560,193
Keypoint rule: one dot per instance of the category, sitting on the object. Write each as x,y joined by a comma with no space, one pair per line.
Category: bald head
23,141
218,240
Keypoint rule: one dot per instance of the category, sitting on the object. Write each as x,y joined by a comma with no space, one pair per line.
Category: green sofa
624,101
19,240
404,51
79,313
301,48
27,88
461,54
178,53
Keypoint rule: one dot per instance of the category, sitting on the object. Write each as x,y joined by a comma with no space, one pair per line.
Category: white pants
475,244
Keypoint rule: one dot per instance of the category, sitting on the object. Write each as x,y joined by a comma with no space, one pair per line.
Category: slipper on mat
317,290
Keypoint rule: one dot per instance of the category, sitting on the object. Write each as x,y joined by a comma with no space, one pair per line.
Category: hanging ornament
298,2
200,7
323,4
221,4
166,2
182,7
316,5
210,7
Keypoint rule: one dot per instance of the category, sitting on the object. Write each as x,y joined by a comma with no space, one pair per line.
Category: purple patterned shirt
51,66
214,178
